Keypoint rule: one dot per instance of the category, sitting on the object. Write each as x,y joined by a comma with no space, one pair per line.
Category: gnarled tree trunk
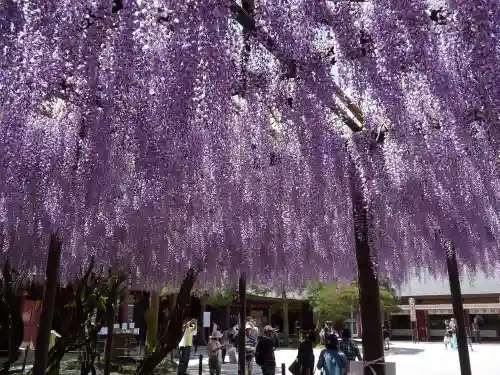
286,324
15,320
49,297
171,332
110,321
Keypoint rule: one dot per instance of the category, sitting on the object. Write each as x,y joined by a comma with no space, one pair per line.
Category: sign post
206,319
413,319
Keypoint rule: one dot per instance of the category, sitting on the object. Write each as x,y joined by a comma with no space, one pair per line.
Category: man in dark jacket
264,353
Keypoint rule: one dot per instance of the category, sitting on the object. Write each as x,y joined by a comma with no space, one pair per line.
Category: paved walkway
410,359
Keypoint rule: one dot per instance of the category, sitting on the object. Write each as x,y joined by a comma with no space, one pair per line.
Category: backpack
333,362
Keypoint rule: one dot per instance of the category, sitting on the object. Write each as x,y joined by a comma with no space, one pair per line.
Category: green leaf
336,302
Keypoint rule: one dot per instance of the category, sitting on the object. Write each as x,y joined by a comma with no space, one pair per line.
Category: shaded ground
410,359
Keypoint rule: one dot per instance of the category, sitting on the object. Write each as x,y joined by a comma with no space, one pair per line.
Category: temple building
481,296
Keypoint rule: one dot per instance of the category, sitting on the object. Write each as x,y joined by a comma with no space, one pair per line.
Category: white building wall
427,285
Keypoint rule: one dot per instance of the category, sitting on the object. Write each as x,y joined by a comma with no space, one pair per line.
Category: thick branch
249,25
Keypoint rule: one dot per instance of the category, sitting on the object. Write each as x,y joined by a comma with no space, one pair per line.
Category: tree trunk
171,333
152,316
241,336
286,324
16,325
49,297
110,321
172,300
124,306
72,329
458,312
203,307
369,293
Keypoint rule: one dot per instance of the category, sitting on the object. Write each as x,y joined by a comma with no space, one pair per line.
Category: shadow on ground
395,350
228,369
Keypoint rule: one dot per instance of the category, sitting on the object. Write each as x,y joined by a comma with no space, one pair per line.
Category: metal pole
200,365
352,318
458,312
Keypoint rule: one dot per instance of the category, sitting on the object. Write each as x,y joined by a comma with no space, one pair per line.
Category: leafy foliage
221,297
335,302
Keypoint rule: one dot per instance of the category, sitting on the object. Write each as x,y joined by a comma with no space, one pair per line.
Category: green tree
335,302
220,298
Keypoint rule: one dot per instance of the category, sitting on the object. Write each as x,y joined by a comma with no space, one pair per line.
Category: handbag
295,367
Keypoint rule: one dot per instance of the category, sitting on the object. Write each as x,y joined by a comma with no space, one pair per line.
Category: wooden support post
153,314
124,306
203,308
227,316
49,298
110,323
369,293
286,324
242,290
458,312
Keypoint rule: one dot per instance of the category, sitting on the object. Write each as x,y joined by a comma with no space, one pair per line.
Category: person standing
225,344
349,347
387,335
250,345
231,349
264,353
196,339
215,327
297,327
185,346
327,330
305,356
251,321
453,327
332,361
275,339
214,348
476,329
448,333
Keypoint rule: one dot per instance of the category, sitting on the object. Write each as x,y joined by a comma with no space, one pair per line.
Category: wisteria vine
125,128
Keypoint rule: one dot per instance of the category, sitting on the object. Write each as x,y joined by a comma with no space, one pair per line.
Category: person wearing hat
250,344
264,353
253,323
214,353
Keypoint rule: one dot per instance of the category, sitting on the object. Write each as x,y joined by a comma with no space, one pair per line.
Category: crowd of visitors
260,349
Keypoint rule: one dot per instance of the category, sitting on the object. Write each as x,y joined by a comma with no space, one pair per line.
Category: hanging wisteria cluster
143,134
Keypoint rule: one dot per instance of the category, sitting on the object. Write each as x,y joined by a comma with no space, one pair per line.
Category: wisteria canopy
125,129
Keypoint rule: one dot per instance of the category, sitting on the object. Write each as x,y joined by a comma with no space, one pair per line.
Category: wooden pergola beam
352,117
